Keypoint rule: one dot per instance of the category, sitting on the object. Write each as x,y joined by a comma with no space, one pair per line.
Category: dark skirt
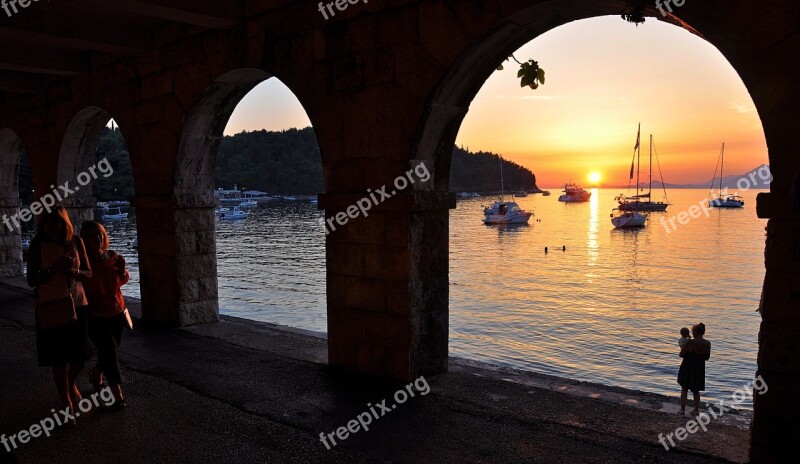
64,345
692,374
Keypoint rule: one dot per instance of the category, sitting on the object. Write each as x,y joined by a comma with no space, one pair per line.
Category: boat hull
644,206
573,199
726,203
521,218
629,221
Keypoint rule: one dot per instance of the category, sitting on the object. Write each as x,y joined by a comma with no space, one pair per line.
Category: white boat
723,200
236,213
221,209
642,202
574,194
114,213
628,219
248,204
506,212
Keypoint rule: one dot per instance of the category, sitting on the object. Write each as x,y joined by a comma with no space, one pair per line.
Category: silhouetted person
107,315
564,248
545,250
692,374
57,266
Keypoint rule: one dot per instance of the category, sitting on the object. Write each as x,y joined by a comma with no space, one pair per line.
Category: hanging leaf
529,74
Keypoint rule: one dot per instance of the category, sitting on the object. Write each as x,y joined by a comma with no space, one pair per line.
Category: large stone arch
774,426
193,197
77,154
10,237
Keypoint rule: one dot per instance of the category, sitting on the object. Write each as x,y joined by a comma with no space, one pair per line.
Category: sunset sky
604,77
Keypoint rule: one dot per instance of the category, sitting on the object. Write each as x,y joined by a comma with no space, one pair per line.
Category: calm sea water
606,310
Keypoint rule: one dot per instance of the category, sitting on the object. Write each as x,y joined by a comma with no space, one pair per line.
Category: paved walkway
246,392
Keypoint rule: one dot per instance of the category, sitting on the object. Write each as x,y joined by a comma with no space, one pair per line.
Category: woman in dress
106,308
692,374
57,266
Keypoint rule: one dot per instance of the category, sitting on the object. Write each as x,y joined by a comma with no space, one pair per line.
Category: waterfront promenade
240,391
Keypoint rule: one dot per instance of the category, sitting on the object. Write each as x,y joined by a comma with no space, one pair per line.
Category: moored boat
723,200
628,219
574,194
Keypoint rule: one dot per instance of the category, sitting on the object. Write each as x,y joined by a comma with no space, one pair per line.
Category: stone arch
10,238
197,153
449,103
77,154
446,109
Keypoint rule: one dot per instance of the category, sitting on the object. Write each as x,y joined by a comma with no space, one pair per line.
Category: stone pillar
10,240
80,209
177,259
775,426
387,285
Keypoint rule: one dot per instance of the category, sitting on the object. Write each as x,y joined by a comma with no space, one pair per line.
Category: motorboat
727,201
111,214
506,212
574,194
236,213
627,219
720,199
546,193
642,201
221,209
248,204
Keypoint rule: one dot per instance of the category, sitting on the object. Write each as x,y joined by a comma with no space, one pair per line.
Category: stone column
10,240
80,209
387,285
177,259
775,426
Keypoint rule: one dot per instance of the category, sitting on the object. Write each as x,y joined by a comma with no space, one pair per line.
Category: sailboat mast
638,165
650,192
721,167
502,189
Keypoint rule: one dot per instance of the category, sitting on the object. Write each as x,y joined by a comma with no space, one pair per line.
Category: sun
595,177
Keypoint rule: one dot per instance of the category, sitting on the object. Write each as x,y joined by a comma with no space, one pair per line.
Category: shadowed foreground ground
240,392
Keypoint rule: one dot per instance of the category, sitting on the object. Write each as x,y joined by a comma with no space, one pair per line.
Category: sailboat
505,212
725,200
642,201
622,219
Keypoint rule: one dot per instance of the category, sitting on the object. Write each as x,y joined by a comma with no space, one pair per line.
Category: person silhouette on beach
692,373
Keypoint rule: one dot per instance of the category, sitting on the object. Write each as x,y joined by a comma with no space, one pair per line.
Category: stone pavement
247,392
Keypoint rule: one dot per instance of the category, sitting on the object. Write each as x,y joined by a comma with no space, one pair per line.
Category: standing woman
57,266
692,374
107,315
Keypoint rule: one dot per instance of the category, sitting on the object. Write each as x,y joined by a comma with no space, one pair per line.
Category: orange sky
604,77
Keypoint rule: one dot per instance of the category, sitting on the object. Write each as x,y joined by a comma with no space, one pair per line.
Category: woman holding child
57,268
107,313
692,374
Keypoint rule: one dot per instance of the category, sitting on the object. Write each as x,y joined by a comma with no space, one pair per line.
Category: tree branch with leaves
529,74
